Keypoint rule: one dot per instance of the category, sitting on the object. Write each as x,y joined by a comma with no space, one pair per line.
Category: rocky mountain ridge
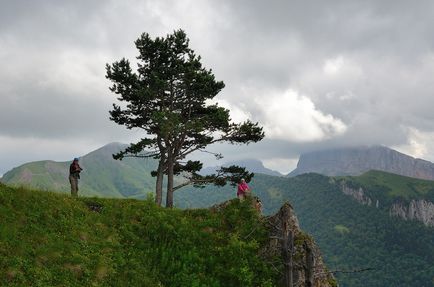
421,210
358,160
416,203
418,209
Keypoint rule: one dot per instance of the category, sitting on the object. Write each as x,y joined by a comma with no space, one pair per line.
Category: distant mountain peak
102,175
359,159
111,147
252,165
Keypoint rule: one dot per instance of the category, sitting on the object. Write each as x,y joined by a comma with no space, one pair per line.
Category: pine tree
168,97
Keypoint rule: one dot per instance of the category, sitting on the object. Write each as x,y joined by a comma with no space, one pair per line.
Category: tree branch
193,181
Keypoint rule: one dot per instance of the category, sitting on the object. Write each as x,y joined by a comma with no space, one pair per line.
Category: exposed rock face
355,161
358,195
308,268
420,210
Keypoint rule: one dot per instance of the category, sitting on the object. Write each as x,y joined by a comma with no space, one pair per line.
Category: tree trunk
159,182
170,164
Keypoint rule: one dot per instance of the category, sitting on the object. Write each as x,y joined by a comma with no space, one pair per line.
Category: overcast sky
315,74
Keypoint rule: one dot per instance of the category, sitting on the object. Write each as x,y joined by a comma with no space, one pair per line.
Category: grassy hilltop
388,187
49,239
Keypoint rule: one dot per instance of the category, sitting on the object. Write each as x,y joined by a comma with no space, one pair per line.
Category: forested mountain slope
351,235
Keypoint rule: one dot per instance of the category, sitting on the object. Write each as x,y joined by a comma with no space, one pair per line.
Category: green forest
351,236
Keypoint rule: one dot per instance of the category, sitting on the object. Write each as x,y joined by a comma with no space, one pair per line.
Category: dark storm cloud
368,63
54,55
314,73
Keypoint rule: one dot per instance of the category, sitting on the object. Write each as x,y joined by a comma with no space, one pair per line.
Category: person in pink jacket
243,189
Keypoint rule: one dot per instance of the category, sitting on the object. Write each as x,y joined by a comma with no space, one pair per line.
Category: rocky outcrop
420,210
358,160
358,194
298,251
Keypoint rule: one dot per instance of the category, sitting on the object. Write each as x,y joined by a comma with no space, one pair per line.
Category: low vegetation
49,239
388,187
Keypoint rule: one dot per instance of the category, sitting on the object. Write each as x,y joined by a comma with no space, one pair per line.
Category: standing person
74,175
243,189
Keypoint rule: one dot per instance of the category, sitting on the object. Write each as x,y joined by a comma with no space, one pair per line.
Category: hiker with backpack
243,189
74,175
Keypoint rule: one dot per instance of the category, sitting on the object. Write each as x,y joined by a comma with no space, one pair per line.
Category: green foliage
389,187
168,97
350,235
49,239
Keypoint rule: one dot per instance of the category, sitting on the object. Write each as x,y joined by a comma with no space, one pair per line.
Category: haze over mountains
358,160
103,176
131,176
253,165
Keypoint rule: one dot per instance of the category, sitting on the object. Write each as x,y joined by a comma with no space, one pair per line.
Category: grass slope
388,185
102,176
49,239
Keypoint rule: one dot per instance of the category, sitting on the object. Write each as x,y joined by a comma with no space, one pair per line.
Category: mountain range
253,165
358,160
102,175
361,218
106,177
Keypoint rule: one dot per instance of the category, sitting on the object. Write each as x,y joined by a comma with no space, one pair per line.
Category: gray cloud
362,69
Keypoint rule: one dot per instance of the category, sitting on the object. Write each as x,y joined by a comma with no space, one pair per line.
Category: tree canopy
169,98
